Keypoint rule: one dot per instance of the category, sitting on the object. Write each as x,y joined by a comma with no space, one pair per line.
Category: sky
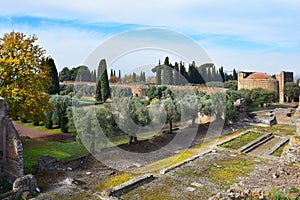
246,35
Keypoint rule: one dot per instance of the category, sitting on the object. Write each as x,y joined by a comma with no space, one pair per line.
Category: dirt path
24,131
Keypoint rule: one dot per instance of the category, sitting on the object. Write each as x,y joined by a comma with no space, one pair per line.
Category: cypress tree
221,70
54,88
170,75
144,77
141,76
234,74
183,73
105,92
119,74
158,74
134,77
176,74
98,95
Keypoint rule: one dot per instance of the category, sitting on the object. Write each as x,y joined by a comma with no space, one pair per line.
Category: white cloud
275,24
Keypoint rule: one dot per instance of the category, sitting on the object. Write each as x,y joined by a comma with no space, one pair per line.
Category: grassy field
63,151
242,140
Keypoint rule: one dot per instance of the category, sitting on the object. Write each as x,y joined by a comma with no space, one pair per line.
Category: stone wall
268,84
11,160
283,78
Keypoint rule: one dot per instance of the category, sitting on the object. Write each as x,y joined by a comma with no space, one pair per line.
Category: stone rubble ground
183,184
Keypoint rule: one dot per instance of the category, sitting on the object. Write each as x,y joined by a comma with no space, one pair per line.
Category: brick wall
11,161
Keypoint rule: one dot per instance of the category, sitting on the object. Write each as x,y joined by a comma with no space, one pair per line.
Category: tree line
177,74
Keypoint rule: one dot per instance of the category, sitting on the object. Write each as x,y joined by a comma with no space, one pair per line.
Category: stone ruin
11,160
240,106
297,120
285,115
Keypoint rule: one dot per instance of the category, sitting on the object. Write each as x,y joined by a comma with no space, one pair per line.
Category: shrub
49,122
36,123
64,124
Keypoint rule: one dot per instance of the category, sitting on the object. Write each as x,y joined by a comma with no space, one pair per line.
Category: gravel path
24,131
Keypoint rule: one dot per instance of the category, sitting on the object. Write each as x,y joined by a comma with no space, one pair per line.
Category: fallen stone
69,181
216,165
137,165
275,175
46,163
196,184
26,195
190,189
88,173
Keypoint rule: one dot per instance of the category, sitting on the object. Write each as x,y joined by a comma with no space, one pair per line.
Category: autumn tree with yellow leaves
23,79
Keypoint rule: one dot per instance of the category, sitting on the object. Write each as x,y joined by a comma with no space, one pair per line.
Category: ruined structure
240,106
283,78
251,80
11,161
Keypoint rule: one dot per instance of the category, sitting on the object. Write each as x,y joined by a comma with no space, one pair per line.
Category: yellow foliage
23,80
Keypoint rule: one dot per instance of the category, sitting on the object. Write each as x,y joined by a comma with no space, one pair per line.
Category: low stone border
257,142
232,138
277,146
129,185
21,187
166,170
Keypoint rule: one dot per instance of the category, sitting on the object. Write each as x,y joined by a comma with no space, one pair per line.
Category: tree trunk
193,121
171,126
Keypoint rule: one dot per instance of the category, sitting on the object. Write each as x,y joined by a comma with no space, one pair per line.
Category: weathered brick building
251,80
11,161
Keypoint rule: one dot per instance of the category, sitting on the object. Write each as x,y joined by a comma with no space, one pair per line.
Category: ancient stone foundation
11,161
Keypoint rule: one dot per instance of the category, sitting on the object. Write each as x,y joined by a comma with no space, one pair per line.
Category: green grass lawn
63,151
279,151
86,100
242,140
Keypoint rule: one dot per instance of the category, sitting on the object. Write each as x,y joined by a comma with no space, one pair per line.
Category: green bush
64,124
49,122
36,123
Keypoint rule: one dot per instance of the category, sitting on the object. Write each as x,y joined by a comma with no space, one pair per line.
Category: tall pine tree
183,74
54,88
176,74
235,75
134,77
144,77
158,74
102,88
98,95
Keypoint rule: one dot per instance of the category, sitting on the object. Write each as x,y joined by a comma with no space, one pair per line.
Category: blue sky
246,35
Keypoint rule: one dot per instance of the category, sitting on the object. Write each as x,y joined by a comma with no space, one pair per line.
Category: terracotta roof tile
259,76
